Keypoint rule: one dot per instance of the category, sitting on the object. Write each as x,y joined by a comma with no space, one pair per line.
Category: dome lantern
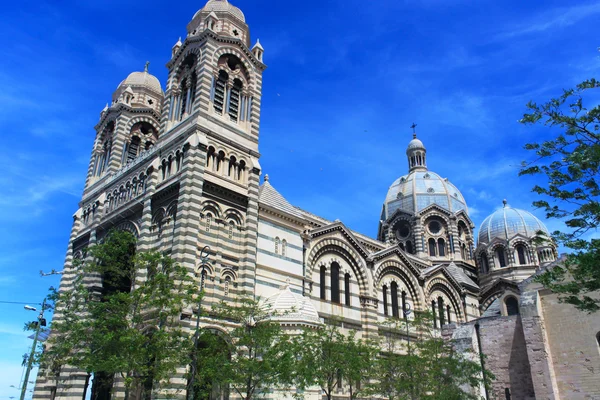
416,153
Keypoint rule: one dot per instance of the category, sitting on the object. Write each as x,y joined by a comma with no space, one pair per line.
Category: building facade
179,168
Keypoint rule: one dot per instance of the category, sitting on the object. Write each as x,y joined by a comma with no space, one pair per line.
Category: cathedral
178,166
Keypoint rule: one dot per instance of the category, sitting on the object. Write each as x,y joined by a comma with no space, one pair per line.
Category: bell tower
179,169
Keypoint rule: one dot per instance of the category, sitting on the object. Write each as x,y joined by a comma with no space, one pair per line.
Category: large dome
142,79
222,6
420,188
506,222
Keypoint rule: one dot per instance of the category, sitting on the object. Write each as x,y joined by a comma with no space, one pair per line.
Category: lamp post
406,313
203,262
35,340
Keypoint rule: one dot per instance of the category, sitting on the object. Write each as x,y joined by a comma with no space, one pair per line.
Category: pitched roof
268,196
460,276
454,271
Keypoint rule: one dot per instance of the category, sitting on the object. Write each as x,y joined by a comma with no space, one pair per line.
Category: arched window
220,161
512,306
441,311
322,286
231,171
184,101
347,288
484,263
448,313
409,247
241,171
501,257
226,288
277,242
335,282
219,92
432,247
433,311
404,306
441,247
521,254
598,340
208,223
230,229
210,158
234,100
385,301
133,149
395,311
401,245
283,247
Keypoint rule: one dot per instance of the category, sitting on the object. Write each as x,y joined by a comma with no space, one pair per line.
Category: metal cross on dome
414,126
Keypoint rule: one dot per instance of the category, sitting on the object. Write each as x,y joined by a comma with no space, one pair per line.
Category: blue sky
345,80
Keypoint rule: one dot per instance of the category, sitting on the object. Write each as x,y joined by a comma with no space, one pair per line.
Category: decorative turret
416,154
176,48
258,51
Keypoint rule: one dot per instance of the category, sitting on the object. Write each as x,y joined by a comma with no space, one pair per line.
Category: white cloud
553,19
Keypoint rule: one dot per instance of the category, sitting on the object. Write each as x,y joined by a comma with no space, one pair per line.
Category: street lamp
406,313
203,263
41,322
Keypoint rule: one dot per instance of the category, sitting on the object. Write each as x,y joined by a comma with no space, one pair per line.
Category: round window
403,229
435,227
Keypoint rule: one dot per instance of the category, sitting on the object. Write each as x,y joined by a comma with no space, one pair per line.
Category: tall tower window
521,254
133,148
501,257
335,282
385,300
347,288
322,287
431,247
220,89
441,311
395,311
441,247
234,100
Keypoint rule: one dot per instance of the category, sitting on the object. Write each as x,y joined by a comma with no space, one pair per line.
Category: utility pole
32,353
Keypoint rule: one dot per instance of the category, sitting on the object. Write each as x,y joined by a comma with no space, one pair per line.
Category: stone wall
573,347
503,344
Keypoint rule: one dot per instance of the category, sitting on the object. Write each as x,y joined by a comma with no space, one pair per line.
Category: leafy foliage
570,161
130,324
327,357
258,355
426,368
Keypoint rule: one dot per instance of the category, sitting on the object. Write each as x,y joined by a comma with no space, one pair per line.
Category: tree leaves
571,163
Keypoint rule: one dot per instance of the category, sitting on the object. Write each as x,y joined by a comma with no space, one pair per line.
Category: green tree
259,356
359,357
326,358
570,161
427,368
127,326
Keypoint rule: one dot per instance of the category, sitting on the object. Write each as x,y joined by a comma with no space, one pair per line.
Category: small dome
222,6
506,222
415,144
287,307
142,79
417,190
